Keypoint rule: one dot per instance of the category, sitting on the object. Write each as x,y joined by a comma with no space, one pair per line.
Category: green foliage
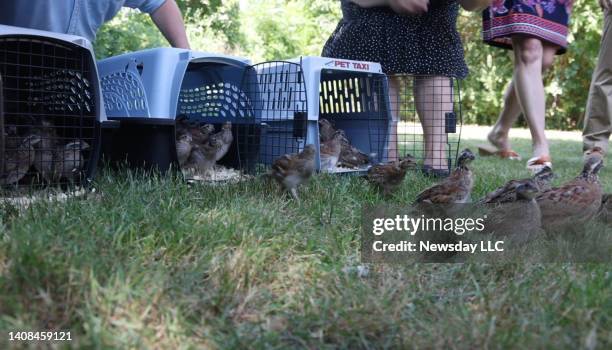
277,29
128,31
213,18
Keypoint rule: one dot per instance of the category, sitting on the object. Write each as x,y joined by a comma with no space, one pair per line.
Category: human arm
371,3
404,7
169,21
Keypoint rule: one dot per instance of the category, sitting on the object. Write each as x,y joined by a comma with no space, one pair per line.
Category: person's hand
410,7
475,5
606,4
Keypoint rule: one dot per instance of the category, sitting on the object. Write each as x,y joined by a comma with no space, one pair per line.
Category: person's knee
528,52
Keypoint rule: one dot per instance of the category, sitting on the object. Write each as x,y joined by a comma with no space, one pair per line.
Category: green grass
152,262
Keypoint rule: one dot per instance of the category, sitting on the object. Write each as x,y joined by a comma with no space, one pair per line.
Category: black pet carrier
152,92
50,110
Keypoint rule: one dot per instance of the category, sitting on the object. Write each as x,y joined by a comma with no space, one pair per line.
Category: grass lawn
156,263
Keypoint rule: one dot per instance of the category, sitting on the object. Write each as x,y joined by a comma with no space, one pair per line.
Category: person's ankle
498,132
499,138
540,151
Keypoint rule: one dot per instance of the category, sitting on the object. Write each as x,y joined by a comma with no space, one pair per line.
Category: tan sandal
490,150
536,164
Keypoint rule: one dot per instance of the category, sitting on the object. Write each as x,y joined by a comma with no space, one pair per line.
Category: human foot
499,139
490,150
499,146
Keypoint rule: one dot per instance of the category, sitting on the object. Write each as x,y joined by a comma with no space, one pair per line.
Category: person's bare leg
434,98
512,107
395,101
510,112
528,59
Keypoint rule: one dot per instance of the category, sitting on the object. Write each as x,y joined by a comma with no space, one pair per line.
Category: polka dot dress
426,44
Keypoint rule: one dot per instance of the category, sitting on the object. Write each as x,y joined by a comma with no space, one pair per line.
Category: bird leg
294,194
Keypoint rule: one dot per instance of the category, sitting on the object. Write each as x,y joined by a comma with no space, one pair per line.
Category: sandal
536,164
490,150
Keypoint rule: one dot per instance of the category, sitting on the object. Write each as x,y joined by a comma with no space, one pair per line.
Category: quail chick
18,161
605,210
388,177
330,152
351,156
226,138
518,216
456,188
507,193
575,202
43,162
44,157
203,157
326,130
201,133
11,137
292,170
182,125
69,160
184,144
543,179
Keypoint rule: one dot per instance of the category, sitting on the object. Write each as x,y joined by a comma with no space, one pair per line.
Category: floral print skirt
544,19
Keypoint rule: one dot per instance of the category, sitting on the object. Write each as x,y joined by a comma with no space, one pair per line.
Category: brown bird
575,202
543,179
351,156
226,138
201,133
18,161
518,216
203,157
69,160
184,144
43,162
507,193
292,170
605,210
388,177
182,125
330,152
456,188
326,130
11,137
45,149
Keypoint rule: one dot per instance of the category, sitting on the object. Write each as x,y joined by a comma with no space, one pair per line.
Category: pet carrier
427,120
50,110
157,93
292,99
